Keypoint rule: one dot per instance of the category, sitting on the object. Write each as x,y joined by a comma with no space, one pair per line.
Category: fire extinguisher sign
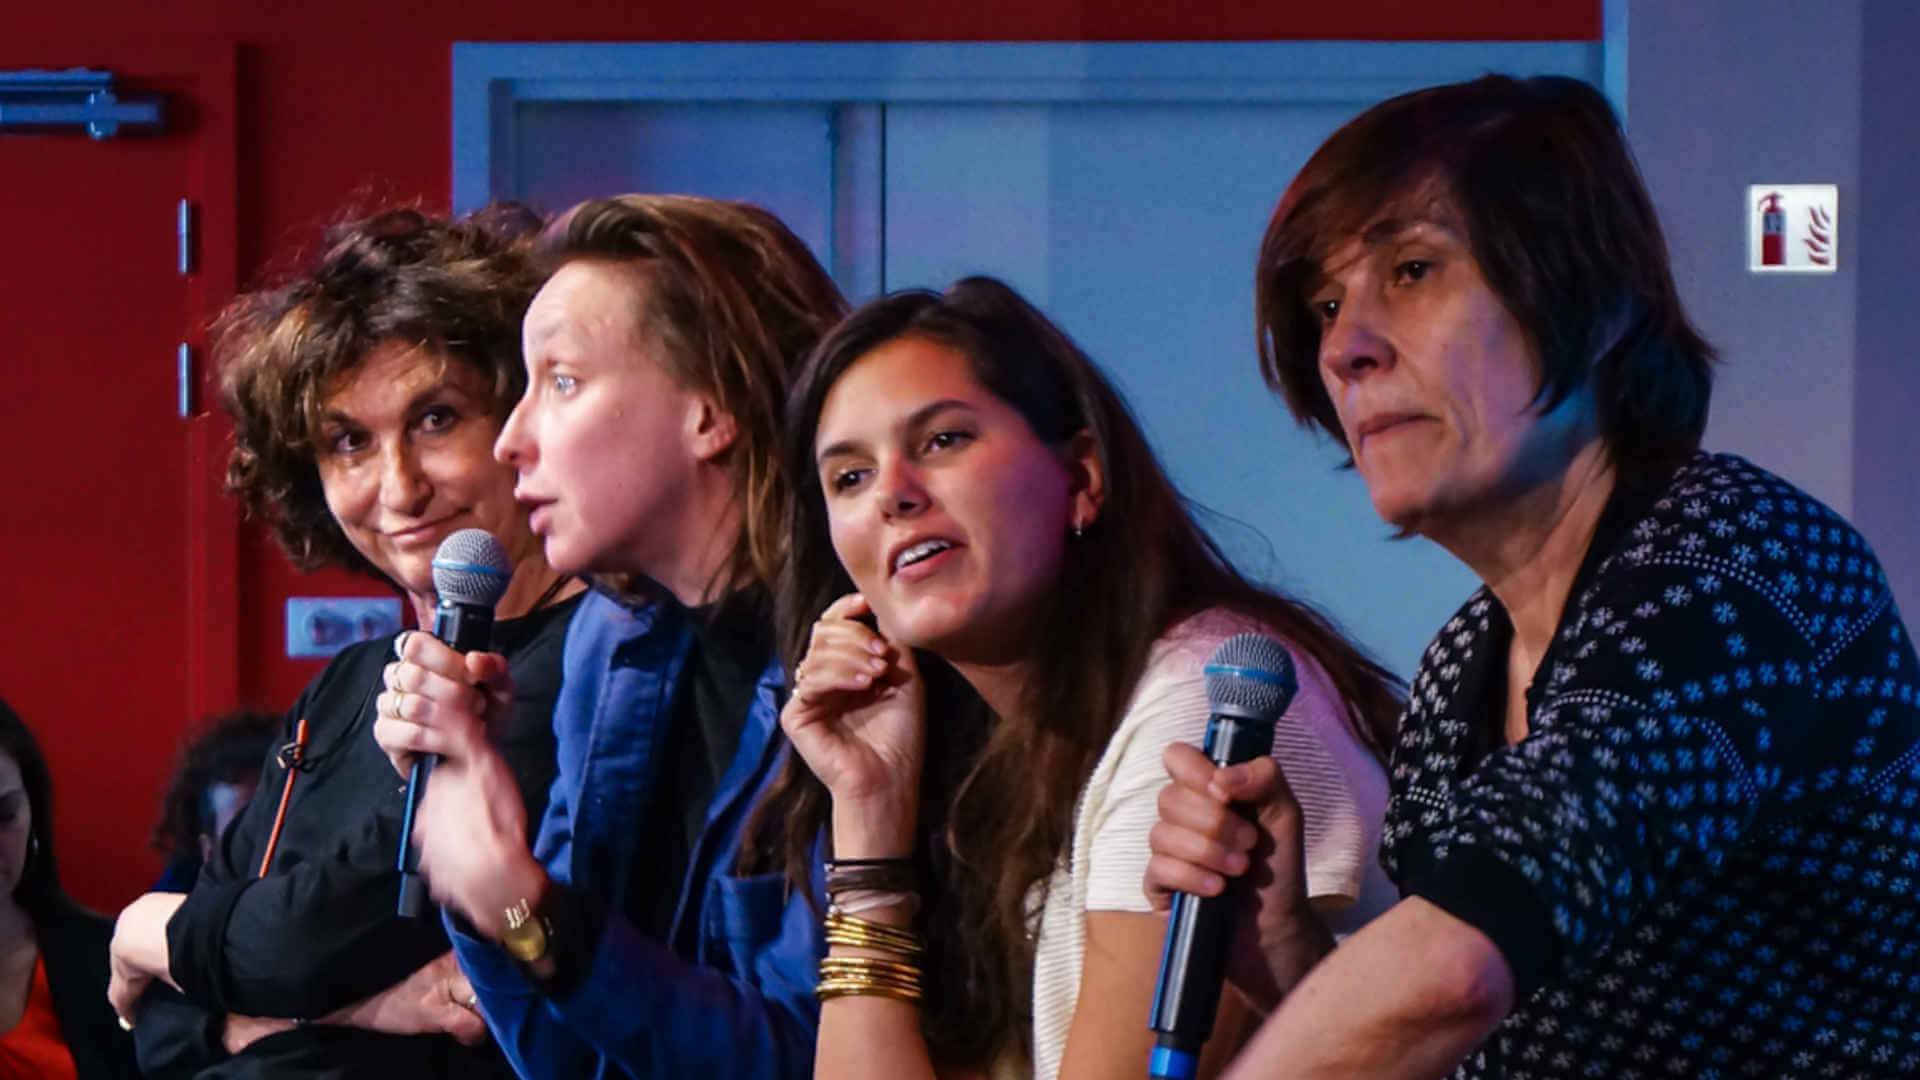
1793,228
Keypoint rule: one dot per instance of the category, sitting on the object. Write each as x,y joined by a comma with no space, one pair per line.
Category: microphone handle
1193,963
465,627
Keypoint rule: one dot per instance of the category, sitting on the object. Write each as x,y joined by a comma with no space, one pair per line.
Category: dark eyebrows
1384,231
1379,234
414,404
914,420
1387,230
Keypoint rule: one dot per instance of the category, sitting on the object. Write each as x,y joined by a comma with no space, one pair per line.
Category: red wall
348,101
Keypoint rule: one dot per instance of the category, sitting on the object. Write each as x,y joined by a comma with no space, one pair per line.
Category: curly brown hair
231,750
457,287
735,300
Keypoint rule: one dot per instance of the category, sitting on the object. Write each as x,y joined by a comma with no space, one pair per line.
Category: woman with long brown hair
981,723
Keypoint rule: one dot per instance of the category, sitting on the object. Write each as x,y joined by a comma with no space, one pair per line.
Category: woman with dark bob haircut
366,393
53,952
981,723
1652,797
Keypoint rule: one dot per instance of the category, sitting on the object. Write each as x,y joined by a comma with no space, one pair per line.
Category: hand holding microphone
440,692
1227,858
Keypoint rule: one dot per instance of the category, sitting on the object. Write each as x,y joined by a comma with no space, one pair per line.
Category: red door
120,587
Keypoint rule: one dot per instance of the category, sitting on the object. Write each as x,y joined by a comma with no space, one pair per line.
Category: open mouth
920,552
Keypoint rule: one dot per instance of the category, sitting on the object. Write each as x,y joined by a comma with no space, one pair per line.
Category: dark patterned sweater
1701,861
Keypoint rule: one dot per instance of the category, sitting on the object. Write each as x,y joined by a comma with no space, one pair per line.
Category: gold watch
527,934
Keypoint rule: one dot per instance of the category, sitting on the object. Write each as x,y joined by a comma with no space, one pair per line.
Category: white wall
1886,375
1817,381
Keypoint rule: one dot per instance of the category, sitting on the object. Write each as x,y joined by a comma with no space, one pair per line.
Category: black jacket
73,945
319,932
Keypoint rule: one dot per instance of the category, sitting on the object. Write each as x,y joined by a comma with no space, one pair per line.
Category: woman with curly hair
216,778
366,394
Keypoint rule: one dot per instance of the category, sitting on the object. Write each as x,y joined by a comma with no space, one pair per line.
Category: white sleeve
1164,709
1171,703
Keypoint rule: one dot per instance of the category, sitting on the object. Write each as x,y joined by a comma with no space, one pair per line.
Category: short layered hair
455,288
1557,217
734,300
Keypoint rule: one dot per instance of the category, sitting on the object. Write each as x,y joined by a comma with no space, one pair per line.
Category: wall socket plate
323,625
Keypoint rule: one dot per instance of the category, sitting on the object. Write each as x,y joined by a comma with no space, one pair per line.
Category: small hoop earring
1079,530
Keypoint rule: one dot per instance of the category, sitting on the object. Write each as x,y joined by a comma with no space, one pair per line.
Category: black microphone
1249,684
470,574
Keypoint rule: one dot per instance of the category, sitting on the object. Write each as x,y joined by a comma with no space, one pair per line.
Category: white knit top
1342,791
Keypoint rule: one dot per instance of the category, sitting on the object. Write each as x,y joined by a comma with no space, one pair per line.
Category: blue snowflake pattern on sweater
1717,805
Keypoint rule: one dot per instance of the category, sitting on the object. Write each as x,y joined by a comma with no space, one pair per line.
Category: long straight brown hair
998,794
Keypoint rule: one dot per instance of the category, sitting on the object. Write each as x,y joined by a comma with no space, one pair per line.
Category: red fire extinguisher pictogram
1773,231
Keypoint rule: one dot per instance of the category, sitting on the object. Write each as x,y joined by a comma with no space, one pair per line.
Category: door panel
778,155
109,504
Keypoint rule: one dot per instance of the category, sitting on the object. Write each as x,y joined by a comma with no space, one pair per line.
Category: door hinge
183,372
183,235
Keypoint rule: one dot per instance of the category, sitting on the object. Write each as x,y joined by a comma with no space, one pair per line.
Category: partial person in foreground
625,941
366,392
1000,608
54,1019
1653,797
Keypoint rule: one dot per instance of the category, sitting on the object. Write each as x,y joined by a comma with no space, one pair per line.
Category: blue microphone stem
1172,1063
413,887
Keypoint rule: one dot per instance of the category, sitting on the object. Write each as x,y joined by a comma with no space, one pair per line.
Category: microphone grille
470,567
1251,674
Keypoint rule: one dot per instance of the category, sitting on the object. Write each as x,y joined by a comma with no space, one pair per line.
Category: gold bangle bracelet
875,978
841,984
867,934
868,967
829,991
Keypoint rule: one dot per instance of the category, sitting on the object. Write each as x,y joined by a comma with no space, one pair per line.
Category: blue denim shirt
730,993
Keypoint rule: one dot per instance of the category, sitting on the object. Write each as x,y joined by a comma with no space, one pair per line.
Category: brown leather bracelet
871,875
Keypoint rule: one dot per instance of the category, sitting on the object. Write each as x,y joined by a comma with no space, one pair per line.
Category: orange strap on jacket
289,760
